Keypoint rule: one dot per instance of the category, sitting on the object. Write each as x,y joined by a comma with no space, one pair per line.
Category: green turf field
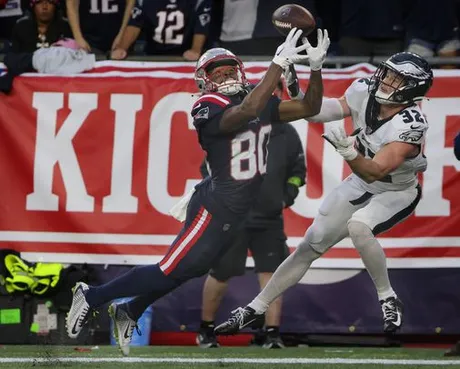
108,357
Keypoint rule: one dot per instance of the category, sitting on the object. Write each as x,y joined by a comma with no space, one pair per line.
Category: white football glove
317,55
342,143
288,53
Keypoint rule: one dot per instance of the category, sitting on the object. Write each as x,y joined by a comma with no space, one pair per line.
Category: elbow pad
331,110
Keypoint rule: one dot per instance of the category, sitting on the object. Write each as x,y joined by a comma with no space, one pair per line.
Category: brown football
292,15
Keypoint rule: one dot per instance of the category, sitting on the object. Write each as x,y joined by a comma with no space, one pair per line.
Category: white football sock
373,257
288,274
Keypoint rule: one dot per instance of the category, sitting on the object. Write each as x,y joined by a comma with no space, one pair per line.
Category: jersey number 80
245,164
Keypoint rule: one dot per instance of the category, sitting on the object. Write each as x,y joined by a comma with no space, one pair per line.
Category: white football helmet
414,73
214,58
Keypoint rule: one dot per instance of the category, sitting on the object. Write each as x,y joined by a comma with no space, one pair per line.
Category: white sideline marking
228,360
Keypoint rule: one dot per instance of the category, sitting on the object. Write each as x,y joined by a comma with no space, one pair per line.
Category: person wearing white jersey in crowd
385,153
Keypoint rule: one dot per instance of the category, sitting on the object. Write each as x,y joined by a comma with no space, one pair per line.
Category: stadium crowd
120,28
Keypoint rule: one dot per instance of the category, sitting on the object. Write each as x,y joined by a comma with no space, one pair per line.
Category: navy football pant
203,240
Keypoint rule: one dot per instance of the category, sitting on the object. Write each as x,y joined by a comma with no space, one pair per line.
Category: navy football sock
140,280
137,306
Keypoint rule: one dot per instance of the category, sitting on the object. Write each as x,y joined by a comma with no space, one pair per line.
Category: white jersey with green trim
409,125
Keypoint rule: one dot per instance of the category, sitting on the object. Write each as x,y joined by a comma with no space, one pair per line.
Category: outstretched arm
310,104
253,104
332,109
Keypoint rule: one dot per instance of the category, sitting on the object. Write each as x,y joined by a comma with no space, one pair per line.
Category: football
292,15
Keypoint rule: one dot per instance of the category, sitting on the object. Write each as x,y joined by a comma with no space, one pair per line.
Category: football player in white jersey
385,155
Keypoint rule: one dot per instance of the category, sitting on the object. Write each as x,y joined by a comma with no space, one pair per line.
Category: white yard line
136,360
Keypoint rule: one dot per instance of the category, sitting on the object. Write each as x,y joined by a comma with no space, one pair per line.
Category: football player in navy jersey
98,25
172,27
233,125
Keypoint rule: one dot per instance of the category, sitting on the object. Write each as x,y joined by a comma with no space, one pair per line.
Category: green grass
62,356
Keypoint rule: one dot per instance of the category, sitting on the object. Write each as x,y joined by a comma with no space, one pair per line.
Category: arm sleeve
137,15
297,171
203,17
296,156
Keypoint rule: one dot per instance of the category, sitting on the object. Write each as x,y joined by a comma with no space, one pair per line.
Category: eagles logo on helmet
217,57
414,73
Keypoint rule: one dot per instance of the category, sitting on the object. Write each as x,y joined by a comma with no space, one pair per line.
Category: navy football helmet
408,75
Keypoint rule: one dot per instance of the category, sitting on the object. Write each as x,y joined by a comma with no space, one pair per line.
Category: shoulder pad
409,125
356,93
208,106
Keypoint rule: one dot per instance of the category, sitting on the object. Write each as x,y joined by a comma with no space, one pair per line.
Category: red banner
92,163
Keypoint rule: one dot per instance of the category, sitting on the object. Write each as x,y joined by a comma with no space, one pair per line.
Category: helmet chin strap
383,98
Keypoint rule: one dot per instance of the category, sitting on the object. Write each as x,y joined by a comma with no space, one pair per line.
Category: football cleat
79,311
392,309
240,318
123,327
206,338
273,342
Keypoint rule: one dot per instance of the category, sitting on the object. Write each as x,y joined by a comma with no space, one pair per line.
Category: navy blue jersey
169,25
237,160
100,21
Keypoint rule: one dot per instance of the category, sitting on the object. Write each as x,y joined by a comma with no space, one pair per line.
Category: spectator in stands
171,27
247,27
43,27
263,233
10,12
432,28
370,28
98,25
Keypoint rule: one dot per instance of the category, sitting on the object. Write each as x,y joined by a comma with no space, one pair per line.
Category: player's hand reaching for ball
288,52
317,55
